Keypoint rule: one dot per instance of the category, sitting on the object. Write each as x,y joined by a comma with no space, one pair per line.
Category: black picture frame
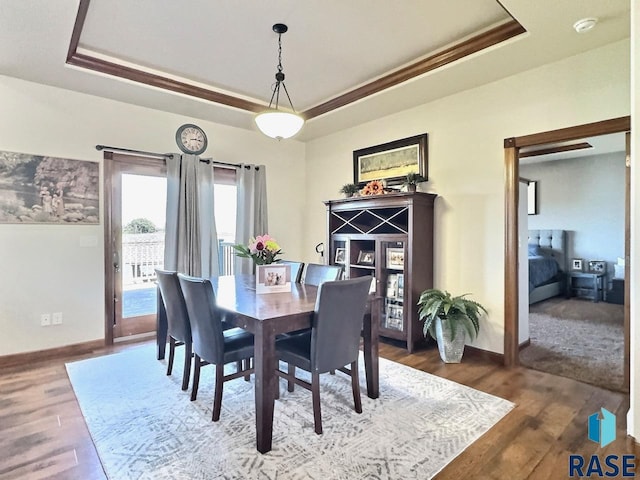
366,257
392,161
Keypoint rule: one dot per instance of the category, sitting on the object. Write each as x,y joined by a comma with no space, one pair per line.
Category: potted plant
350,189
411,180
449,320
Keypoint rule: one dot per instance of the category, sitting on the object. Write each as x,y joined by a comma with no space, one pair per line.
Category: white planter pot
451,349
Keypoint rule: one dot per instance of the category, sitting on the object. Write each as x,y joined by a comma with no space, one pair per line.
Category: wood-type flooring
43,434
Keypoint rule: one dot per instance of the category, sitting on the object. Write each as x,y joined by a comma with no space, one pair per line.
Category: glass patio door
136,244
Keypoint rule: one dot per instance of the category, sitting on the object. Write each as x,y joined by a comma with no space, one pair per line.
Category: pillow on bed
535,250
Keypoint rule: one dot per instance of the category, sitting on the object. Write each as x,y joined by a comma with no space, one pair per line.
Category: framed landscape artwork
43,189
391,161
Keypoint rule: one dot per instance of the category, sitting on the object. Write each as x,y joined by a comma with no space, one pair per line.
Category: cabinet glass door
392,257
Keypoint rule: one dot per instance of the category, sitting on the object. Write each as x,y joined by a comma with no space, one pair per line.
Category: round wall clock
191,139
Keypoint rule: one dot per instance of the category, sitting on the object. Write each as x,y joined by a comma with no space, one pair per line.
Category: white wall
584,196
523,271
633,419
43,267
466,162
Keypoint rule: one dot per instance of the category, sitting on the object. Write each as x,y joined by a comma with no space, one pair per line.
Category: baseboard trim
525,344
20,359
484,354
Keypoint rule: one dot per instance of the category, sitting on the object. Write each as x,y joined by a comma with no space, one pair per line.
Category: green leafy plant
140,225
452,311
413,179
350,189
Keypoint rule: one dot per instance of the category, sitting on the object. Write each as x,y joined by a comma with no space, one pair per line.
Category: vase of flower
271,277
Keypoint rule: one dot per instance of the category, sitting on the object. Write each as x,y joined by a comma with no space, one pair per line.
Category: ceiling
600,145
345,62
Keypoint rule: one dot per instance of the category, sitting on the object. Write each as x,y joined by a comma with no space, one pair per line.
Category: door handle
116,261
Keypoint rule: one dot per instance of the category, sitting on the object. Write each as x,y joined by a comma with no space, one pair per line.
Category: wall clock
191,139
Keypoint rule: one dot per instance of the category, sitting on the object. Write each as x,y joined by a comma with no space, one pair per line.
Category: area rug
578,339
145,427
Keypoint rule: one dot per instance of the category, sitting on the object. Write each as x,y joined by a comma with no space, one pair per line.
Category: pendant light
273,122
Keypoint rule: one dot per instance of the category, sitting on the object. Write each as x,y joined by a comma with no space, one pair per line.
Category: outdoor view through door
143,223
136,240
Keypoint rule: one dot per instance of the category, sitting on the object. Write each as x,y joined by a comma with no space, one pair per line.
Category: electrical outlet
45,320
56,318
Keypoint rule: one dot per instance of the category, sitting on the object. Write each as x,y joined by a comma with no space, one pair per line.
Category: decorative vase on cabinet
388,237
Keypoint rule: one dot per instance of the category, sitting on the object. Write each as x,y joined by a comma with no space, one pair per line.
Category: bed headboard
552,243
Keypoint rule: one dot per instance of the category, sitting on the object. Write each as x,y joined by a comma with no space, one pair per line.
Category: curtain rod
167,155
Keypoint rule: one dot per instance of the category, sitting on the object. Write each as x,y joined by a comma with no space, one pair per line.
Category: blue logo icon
602,427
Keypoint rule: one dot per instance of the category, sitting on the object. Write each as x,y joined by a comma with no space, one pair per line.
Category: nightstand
587,285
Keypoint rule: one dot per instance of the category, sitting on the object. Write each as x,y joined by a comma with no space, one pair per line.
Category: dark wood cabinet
390,238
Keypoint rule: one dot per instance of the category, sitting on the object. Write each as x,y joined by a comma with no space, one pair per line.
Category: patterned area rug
145,427
578,339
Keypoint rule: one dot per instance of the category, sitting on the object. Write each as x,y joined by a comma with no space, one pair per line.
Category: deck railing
142,253
226,258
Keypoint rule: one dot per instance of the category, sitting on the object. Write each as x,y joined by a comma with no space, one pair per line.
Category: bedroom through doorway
572,316
575,259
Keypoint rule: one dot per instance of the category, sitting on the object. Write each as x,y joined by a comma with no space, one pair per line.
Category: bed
547,264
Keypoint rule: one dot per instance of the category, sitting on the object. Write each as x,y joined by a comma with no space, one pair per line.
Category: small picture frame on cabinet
392,286
395,258
340,255
366,257
576,264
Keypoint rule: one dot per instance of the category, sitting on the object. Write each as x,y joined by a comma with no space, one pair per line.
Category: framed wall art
43,189
391,161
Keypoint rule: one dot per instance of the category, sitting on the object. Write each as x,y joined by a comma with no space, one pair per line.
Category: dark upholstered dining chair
332,343
296,269
315,274
212,344
178,326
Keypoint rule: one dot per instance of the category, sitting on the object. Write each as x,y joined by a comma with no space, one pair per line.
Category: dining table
267,316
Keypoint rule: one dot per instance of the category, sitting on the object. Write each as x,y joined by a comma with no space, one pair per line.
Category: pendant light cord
280,79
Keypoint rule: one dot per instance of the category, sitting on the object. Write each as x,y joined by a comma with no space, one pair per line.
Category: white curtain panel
251,216
191,240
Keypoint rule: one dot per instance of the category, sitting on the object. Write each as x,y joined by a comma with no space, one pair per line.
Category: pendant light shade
273,122
278,124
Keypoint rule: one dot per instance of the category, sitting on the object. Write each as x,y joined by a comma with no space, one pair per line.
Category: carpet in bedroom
579,339
145,427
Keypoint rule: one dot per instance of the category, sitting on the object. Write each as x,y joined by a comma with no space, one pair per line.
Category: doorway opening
571,259
512,240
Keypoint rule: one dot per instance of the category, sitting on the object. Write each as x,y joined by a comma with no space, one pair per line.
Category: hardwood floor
43,434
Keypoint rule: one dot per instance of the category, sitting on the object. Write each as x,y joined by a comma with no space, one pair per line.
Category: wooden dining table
268,315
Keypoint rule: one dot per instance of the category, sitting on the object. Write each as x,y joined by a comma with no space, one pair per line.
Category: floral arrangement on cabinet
263,249
374,187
